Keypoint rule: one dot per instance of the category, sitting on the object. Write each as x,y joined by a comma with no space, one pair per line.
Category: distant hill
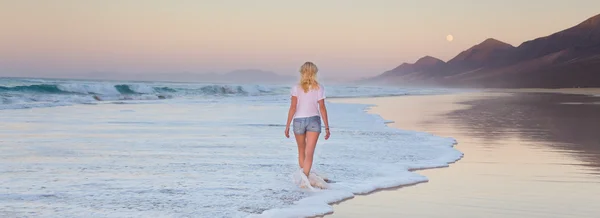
255,76
569,58
407,71
237,76
485,54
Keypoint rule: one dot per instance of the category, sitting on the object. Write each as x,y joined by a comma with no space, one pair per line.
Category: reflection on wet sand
525,155
540,117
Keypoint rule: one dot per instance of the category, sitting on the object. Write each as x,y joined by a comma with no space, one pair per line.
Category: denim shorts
307,124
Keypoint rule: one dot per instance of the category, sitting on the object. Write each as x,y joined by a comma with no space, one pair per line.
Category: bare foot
317,181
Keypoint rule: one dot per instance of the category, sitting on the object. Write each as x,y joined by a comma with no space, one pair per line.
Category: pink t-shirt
308,103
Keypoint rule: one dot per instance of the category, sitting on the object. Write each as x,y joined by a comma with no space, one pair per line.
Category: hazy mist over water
148,40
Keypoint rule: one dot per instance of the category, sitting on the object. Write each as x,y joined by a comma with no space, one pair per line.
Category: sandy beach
527,153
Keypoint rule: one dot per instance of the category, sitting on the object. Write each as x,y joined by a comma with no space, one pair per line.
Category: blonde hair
308,77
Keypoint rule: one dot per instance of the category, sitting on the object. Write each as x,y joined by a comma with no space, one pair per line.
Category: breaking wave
30,93
15,94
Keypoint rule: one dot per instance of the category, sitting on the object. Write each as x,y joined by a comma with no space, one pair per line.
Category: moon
449,38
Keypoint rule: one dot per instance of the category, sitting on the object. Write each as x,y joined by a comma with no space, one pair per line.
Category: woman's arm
323,110
291,113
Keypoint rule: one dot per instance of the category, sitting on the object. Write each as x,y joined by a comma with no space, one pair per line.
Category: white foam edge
396,176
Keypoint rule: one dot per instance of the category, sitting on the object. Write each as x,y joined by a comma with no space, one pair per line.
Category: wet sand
526,154
580,91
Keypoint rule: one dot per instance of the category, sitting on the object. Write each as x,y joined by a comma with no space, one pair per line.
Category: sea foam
189,158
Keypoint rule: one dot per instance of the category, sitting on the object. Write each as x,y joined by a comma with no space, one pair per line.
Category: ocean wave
164,89
42,88
62,93
132,89
124,89
233,90
27,93
99,89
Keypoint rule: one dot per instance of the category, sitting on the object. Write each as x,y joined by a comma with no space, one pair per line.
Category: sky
345,38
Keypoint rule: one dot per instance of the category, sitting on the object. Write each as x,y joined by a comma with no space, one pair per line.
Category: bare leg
311,143
301,141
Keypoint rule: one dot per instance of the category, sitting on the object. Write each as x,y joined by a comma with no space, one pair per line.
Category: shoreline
381,190
387,123
459,105
368,110
574,91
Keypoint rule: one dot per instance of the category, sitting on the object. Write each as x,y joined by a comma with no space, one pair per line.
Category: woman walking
307,108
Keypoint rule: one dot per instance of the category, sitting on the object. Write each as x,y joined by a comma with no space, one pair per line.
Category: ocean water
71,148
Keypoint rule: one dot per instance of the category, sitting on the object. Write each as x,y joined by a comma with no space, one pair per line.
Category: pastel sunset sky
347,39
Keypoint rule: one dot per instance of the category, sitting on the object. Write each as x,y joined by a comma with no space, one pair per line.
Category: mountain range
566,59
